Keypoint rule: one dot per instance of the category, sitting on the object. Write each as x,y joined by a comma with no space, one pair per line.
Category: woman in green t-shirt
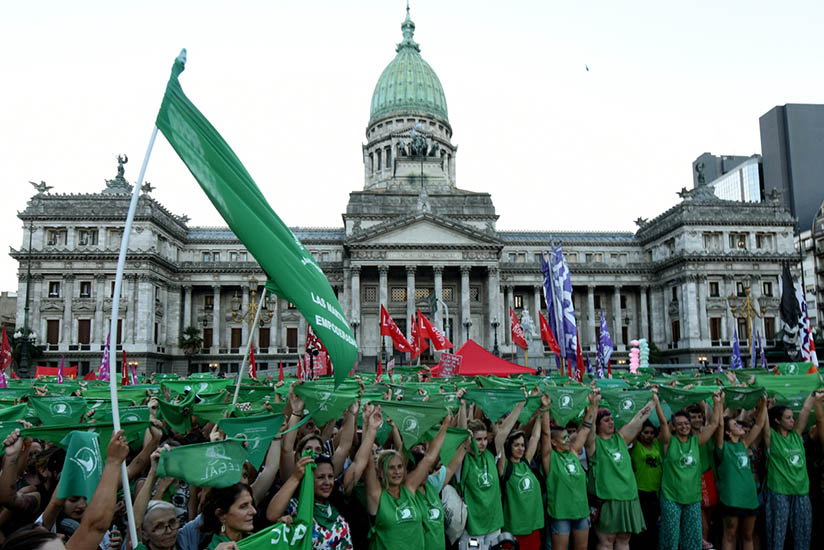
736,485
566,483
646,463
615,484
522,503
786,498
390,494
681,480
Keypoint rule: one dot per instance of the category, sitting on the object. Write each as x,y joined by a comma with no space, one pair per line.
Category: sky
289,85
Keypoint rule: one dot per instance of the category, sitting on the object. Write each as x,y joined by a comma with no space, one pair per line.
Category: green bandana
412,419
82,467
178,416
679,399
454,438
14,412
792,369
217,464
53,411
741,398
568,403
495,402
326,402
624,405
260,431
177,387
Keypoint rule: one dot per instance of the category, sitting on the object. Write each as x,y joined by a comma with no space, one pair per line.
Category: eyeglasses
166,527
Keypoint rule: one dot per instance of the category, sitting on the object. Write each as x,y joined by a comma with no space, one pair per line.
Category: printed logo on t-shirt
572,468
795,460
617,456
525,485
434,514
483,480
687,461
405,513
743,460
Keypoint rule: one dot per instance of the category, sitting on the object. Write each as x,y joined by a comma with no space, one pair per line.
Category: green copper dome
408,84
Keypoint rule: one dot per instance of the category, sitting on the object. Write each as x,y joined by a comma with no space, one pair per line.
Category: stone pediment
423,230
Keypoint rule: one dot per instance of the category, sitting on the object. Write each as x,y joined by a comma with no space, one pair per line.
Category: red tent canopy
476,361
68,372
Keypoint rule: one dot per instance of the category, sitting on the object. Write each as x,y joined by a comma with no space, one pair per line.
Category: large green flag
325,402
292,272
789,386
15,412
412,419
454,438
58,410
217,464
495,402
679,399
568,403
736,397
282,536
197,387
624,405
178,415
260,431
82,467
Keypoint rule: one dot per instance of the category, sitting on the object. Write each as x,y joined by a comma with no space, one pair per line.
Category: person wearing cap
614,481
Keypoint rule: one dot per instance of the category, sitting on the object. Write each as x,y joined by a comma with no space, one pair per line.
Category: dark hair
511,440
648,424
30,539
602,413
306,439
324,459
220,499
679,413
775,415
695,408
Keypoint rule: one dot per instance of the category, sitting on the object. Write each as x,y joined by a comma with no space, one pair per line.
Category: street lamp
26,338
495,324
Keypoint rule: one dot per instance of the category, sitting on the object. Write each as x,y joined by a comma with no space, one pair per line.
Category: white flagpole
118,281
249,345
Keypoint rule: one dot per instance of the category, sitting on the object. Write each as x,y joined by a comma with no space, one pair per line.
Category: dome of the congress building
408,84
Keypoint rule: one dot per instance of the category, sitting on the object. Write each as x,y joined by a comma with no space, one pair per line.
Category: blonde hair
384,458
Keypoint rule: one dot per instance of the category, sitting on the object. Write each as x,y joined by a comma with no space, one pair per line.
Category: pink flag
133,375
103,370
60,371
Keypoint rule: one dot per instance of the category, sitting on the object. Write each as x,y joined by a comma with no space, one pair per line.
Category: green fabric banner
292,271
412,419
82,467
133,431
454,438
13,394
177,387
178,415
54,411
217,464
210,412
789,386
567,403
15,412
260,431
128,393
326,402
495,402
741,398
679,398
624,405
792,369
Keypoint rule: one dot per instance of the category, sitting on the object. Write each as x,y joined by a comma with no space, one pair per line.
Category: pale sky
289,84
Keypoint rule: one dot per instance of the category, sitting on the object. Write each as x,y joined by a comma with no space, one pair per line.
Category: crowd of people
686,461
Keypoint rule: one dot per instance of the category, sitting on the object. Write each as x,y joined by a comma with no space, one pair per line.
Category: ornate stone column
274,332
132,279
410,299
644,313
755,293
691,302
508,320
617,336
355,316
68,296
729,284
244,307
704,322
665,302
465,307
536,307
657,314
493,291
100,296
383,297
593,346
437,271
216,319
187,306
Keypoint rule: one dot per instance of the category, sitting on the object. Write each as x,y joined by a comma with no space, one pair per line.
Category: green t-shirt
398,522
523,509
681,480
566,487
787,465
736,486
217,539
647,466
482,494
610,466
431,517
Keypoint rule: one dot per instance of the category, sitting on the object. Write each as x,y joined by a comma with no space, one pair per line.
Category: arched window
378,155
388,157
371,164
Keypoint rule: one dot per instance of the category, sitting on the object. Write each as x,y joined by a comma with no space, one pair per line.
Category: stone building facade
410,231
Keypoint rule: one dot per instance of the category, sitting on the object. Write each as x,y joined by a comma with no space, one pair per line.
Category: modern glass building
744,183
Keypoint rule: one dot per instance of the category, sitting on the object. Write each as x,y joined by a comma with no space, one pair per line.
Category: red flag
124,371
580,359
569,368
380,371
90,375
280,371
609,369
439,340
390,328
252,363
5,352
813,356
418,340
547,336
517,330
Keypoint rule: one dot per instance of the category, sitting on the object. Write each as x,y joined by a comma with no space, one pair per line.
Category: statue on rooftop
121,160
41,187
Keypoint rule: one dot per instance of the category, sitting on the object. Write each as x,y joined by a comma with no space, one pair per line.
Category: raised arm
277,506
663,424
263,482
295,408
760,421
98,516
345,437
372,419
418,476
9,497
717,412
534,438
462,413
144,495
631,429
457,460
506,426
586,423
819,416
546,435
804,415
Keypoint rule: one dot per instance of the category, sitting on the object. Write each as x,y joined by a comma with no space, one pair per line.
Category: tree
190,342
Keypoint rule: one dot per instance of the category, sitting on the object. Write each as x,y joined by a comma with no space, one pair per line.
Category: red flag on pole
5,352
517,330
580,360
252,363
390,328
418,340
547,336
280,371
124,371
380,372
439,340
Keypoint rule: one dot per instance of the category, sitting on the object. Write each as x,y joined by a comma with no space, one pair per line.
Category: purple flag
719,368
3,380
737,362
588,364
605,347
564,309
60,371
553,305
133,375
104,366
752,351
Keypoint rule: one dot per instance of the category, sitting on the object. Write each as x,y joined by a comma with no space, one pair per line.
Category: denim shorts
566,526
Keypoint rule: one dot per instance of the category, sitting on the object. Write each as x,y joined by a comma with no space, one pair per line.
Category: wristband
586,425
